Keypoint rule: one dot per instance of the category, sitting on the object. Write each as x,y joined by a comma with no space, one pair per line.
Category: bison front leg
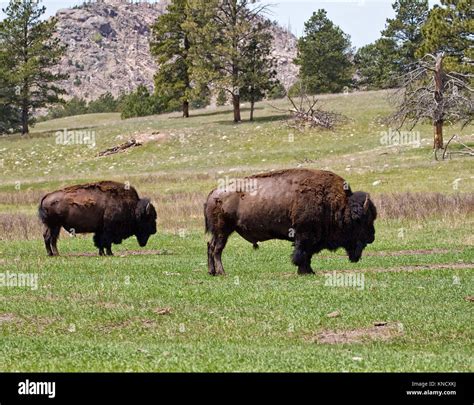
302,257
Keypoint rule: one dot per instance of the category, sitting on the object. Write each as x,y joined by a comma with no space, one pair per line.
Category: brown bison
314,209
110,210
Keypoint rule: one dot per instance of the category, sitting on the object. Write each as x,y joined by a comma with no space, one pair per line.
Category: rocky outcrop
108,47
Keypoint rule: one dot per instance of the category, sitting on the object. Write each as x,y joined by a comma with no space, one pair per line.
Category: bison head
146,221
362,232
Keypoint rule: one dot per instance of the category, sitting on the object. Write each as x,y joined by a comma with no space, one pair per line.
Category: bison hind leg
214,252
219,246
98,243
47,240
54,239
210,259
50,236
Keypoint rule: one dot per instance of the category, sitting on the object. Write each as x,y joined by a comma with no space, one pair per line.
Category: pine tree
259,74
29,43
221,31
141,103
324,56
405,30
376,64
449,29
10,116
170,45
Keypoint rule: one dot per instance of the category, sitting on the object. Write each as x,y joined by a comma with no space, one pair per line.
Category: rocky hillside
108,47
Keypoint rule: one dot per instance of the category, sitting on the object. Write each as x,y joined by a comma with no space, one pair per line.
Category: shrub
141,103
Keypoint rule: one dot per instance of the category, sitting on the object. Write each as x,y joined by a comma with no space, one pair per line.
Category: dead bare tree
428,92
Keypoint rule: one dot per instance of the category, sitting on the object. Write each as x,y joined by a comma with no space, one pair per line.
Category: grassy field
156,309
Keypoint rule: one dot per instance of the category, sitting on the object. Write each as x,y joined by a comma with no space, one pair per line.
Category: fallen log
120,148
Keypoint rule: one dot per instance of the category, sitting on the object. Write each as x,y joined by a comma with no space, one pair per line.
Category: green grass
261,317
100,314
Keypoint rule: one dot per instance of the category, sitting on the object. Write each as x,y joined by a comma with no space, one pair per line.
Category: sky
361,19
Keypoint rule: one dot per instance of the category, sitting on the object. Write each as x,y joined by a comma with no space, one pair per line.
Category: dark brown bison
314,209
110,210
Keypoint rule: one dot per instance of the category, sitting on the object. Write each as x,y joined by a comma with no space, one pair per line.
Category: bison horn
366,203
147,209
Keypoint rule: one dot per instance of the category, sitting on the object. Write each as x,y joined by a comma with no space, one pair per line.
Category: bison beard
110,210
314,209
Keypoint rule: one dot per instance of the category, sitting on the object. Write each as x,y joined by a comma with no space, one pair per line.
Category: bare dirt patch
113,305
33,324
9,318
150,137
414,252
162,311
381,331
122,254
409,252
135,322
415,267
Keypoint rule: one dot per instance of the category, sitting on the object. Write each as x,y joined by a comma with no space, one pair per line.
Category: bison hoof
305,272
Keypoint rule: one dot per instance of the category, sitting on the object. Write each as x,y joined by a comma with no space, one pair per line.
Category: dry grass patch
423,205
19,226
381,331
415,267
9,318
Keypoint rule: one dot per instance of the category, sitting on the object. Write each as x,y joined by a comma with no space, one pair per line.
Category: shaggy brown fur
109,209
314,209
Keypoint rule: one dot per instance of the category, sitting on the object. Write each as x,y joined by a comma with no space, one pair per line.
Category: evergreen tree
324,56
104,104
405,31
259,74
450,29
29,43
10,116
221,31
141,103
170,45
377,65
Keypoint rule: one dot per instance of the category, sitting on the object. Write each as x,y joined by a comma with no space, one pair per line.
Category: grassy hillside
156,309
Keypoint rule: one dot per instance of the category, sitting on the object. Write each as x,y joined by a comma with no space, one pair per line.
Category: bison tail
206,220
42,213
